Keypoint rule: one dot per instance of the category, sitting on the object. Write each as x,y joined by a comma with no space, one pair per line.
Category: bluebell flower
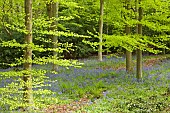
90,102
134,80
158,78
105,93
60,93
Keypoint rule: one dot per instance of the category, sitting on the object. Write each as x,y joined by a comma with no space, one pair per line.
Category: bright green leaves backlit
13,29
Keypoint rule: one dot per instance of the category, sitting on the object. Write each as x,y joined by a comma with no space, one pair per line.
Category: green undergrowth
109,90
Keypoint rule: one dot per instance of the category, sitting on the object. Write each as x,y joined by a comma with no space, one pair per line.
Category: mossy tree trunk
101,29
139,52
28,94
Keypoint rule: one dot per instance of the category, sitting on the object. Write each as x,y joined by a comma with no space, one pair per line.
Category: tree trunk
107,24
136,15
164,51
139,52
101,29
52,11
55,38
28,94
128,53
129,61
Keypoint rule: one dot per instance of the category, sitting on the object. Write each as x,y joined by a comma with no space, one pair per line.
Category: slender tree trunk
107,24
49,12
136,15
164,51
28,94
128,53
139,52
101,29
55,38
107,32
52,11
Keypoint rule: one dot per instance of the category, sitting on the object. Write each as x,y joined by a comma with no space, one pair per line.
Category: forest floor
105,87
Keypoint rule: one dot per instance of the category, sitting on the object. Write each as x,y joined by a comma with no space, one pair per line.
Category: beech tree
28,94
138,51
80,16
128,31
27,82
52,11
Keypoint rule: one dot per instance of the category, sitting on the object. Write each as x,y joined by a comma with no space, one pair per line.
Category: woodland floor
76,106
105,87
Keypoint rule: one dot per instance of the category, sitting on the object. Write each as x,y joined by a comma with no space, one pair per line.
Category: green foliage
78,19
13,47
132,42
155,29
